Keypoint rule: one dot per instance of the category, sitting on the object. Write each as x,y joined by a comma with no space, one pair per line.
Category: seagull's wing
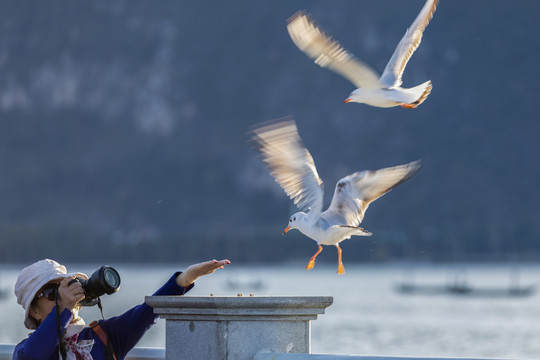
290,163
413,36
327,52
355,192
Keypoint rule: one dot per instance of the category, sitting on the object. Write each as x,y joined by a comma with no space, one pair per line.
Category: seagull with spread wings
292,166
384,91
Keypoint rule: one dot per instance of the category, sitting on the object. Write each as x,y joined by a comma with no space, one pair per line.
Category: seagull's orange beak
346,100
286,229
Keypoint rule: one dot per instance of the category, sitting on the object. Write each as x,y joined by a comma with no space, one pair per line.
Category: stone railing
270,355
6,353
238,328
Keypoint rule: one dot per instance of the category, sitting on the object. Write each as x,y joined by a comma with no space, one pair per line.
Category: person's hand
69,295
195,271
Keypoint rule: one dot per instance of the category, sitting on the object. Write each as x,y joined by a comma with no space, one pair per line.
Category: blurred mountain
123,129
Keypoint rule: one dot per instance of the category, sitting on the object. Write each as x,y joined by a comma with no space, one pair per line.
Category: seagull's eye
290,220
295,218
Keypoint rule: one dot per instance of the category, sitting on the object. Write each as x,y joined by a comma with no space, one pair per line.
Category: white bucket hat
33,277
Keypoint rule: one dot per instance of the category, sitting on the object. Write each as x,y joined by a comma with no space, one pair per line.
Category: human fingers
65,285
195,271
224,263
209,267
70,293
215,264
65,282
70,298
75,289
70,285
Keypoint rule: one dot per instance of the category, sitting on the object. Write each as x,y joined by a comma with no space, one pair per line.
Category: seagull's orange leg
341,268
311,262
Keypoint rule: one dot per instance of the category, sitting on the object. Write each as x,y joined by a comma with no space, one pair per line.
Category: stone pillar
236,328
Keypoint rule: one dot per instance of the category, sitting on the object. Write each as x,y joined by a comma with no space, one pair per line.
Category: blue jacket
124,330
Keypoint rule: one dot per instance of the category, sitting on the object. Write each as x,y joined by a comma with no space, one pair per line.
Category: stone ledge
239,308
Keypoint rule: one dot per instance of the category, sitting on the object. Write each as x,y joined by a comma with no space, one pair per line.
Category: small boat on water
465,290
460,287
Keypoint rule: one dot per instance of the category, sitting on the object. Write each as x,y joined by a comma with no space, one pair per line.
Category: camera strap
103,335
63,352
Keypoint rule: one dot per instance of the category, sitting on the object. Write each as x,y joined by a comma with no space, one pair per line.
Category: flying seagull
384,91
292,166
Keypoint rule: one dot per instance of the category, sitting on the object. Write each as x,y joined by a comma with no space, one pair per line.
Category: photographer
50,298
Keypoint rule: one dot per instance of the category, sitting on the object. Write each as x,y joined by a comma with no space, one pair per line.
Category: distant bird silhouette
292,166
384,91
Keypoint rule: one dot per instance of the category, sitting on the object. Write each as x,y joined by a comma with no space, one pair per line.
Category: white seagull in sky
384,91
292,166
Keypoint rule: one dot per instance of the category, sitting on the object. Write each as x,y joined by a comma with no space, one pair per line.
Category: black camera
105,280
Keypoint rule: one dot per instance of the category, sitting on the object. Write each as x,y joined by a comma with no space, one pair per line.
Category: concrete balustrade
270,355
239,328
6,353
236,328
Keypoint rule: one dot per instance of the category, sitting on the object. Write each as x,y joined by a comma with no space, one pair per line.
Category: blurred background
123,132
123,127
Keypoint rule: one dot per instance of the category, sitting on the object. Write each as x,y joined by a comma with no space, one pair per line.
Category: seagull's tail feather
421,92
359,231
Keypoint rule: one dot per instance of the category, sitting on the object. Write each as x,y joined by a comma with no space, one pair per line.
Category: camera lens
105,280
111,277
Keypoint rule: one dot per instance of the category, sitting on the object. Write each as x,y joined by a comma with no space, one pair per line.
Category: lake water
368,316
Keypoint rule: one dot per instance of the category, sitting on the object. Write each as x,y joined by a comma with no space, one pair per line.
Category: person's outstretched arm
126,330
